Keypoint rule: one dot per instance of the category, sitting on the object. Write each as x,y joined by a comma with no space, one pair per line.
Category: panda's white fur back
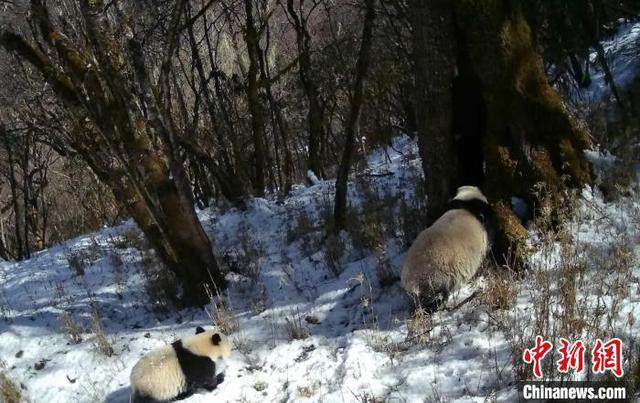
448,253
158,374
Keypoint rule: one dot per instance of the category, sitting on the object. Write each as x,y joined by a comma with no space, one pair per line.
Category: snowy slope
359,347
622,51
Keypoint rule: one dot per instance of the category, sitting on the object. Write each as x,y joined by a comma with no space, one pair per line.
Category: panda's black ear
216,339
199,330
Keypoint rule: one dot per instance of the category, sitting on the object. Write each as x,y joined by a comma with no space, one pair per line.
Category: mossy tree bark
120,128
531,137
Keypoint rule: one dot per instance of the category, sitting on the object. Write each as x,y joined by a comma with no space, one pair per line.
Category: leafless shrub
60,296
131,237
294,328
117,268
617,179
300,226
366,397
221,314
325,208
10,392
412,210
499,291
334,250
576,288
376,221
242,343
368,235
245,259
260,300
77,262
71,328
160,284
385,275
419,326
94,250
101,341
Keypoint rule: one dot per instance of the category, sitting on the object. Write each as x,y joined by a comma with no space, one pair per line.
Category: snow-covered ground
359,346
622,51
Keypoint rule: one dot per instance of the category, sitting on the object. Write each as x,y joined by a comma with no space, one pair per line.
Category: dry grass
419,326
366,397
10,391
102,343
294,328
71,328
499,291
221,313
307,391
576,289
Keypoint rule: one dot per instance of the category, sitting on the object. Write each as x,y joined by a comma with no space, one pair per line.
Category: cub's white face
209,343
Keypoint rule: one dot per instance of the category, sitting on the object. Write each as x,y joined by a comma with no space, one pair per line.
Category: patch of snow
356,326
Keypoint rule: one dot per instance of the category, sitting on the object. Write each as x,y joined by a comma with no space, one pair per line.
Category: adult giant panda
177,370
450,251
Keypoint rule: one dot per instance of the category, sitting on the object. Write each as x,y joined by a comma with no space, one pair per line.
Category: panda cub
449,252
177,370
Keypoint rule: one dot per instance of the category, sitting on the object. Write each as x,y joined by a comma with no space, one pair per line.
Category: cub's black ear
199,330
216,339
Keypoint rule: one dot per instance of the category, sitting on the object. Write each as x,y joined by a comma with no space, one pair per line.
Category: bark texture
434,58
121,131
353,120
531,137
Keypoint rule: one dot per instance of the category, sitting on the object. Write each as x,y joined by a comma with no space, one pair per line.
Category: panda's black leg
444,297
430,305
184,395
217,381
137,398
435,301
219,378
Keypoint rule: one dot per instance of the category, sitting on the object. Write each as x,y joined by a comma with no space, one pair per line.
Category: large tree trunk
315,113
252,40
13,183
531,138
434,59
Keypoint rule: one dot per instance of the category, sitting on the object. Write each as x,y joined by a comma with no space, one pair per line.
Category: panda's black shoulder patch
199,371
481,210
